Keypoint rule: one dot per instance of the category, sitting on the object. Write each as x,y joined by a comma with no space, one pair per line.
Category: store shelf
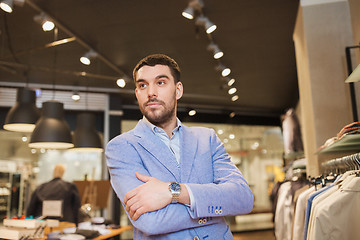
348,143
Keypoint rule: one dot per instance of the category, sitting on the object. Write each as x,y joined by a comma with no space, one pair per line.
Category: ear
136,92
179,90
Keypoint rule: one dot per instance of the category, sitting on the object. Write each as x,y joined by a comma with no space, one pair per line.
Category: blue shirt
173,144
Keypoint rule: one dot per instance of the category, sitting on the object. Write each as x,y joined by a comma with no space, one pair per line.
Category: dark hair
159,59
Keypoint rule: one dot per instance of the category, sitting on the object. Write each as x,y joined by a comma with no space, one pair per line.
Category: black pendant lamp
86,138
24,114
51,131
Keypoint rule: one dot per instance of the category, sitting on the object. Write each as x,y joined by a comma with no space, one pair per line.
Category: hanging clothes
337,215
299,218
284,213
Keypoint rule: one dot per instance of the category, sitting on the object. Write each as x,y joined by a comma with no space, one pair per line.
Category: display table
114,232
63,225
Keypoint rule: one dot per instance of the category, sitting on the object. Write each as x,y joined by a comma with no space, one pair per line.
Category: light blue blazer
218,187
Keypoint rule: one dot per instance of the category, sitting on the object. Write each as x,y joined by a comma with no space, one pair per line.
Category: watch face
174,186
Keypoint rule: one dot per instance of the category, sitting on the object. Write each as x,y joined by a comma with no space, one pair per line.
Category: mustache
153,100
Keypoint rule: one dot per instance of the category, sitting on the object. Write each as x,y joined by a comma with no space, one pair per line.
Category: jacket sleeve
76,202
228,194
123,161
35,203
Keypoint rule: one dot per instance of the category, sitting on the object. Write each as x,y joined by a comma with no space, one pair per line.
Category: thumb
142,177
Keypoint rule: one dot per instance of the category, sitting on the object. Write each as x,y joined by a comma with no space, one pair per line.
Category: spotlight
194,5
228,81
121,82
232,114
192,112
231,82
75,96
224,70
217,53
45,21
234,98
206,23
232,91
86,59
188,13
7,5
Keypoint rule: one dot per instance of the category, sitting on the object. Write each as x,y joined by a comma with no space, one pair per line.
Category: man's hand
150,196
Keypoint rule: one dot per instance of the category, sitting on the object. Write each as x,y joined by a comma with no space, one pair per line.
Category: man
56,189
175,182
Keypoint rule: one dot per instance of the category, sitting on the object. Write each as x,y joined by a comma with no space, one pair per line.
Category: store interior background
283,54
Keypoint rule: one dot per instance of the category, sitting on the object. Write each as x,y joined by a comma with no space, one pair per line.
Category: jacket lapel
153,144
188,151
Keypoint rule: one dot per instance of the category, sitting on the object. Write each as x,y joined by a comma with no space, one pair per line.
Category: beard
159,116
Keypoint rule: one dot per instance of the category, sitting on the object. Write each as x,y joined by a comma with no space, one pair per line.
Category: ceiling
255,36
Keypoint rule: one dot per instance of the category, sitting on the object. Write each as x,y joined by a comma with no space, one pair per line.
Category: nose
152,91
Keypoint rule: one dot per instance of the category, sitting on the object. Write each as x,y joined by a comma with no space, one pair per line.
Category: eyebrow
157,77
162,76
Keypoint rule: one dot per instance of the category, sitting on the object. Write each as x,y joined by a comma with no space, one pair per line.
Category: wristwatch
175,190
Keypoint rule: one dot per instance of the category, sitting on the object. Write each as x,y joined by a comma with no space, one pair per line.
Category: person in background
56,189
175,182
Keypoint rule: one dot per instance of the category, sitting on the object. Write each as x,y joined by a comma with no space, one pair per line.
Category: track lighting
194,5
228,82
231,82
217,53
234,98
8,5
206,23
121,82
232,114
232,91
76,97
188,13
224,70
86,59
192,112
45,21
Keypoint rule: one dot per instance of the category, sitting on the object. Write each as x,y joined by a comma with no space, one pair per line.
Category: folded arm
153,195
122,165
226,194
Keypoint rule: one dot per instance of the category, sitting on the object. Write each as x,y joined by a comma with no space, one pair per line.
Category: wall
323,30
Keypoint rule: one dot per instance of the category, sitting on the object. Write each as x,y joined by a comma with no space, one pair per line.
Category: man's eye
142,85
161,82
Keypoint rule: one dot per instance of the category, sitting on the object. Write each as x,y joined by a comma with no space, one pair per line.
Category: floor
256,235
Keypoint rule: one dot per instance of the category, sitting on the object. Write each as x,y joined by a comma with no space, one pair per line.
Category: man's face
157,93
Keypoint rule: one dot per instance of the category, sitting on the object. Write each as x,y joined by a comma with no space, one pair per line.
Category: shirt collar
156,129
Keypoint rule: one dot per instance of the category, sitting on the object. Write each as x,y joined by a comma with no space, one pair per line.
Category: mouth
153,104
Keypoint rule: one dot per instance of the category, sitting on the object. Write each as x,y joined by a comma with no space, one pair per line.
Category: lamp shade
24,114
51,131
86,138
